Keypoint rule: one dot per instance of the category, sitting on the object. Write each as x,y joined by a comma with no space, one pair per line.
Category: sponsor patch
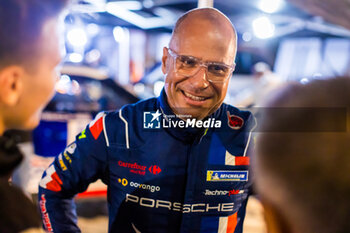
46,218
123,181
177,206
151,188
71,148
154,169
133,167
222,192
227,175
140,169
235,122
67,157
60,160
82,135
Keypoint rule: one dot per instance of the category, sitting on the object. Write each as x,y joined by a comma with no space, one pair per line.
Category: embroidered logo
235,122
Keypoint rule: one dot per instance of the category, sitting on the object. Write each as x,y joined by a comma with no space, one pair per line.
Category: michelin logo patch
227,175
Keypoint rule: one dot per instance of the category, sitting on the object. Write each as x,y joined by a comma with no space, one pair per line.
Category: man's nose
199,79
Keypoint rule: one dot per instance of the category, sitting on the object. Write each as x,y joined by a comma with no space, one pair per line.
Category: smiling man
176,163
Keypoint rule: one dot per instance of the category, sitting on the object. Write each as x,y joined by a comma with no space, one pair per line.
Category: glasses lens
186,65
218,72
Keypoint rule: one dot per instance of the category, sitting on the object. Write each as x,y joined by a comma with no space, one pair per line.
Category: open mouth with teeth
193,98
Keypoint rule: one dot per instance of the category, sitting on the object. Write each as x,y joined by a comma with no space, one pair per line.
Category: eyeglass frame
175,55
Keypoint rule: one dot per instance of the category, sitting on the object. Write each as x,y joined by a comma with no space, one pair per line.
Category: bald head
207,24
207,16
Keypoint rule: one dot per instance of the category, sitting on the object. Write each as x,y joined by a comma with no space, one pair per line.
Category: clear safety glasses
189,66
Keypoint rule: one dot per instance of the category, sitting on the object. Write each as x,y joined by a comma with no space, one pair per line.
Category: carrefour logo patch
217,175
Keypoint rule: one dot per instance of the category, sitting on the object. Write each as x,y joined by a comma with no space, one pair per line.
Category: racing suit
160,177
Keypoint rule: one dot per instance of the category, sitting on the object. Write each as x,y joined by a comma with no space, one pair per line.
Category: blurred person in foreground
302,159
29,55
176,163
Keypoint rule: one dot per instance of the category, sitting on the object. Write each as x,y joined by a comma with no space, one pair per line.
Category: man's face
195,95
39,82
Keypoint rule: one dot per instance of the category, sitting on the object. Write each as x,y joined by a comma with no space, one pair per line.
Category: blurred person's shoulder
17,211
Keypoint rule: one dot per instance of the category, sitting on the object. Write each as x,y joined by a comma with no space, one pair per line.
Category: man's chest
168,175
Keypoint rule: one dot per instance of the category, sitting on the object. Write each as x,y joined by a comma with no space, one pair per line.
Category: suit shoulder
129,110
127,120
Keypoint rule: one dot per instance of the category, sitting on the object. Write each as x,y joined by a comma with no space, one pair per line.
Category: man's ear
275,221
164,60
11,84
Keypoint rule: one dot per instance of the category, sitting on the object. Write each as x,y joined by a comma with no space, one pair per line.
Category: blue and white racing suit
192,177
